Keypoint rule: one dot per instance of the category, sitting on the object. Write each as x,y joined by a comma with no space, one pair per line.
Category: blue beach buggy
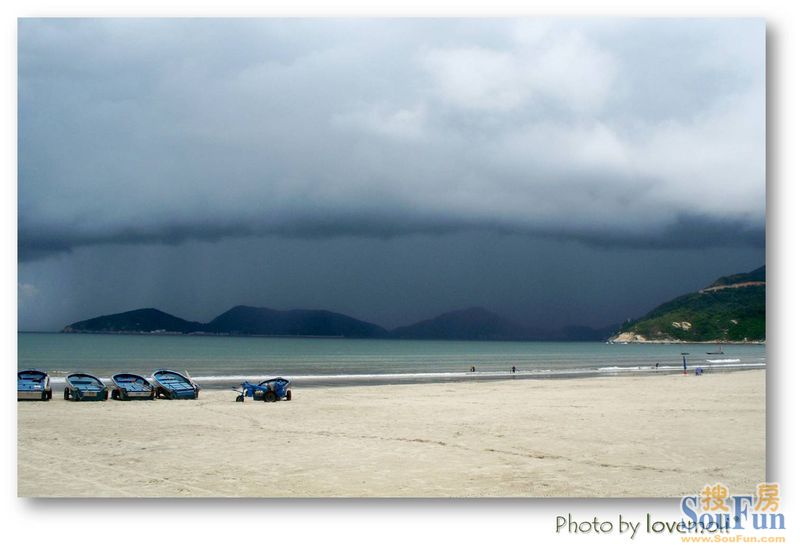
270,390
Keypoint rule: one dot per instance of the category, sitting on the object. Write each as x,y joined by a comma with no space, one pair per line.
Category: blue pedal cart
270,390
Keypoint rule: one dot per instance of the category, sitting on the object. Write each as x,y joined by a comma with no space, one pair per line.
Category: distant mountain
241,320
246,320
732,308
469,324
147,320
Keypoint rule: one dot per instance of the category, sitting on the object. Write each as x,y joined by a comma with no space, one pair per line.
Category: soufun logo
716,510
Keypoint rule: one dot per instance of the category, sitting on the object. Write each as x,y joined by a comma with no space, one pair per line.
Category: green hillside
727,314
759,274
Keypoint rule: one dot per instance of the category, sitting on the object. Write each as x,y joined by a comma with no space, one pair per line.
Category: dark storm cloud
685,232
609,132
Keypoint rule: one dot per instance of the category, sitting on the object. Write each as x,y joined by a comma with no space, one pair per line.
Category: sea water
221,360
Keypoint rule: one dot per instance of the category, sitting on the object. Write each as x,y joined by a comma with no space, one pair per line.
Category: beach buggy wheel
240,398
270,396
66,394
114,395
288,395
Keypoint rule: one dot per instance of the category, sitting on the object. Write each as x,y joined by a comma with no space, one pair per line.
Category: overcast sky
555,171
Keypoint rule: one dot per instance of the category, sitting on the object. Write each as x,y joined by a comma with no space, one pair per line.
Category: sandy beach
640,436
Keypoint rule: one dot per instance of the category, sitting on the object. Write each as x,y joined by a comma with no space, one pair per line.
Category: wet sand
633,436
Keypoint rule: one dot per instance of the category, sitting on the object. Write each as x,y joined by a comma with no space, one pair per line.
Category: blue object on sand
129,386
82,386
270,390
280,387
33,384
174,386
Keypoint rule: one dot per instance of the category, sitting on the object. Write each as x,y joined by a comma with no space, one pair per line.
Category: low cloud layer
607,132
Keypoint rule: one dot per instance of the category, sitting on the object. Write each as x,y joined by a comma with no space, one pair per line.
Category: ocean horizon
223,360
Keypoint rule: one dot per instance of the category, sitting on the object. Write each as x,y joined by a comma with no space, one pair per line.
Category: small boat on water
174,386
33,384
719,352
82,386
129,386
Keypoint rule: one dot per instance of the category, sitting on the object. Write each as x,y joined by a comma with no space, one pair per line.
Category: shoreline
225,382
547,438
217,383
